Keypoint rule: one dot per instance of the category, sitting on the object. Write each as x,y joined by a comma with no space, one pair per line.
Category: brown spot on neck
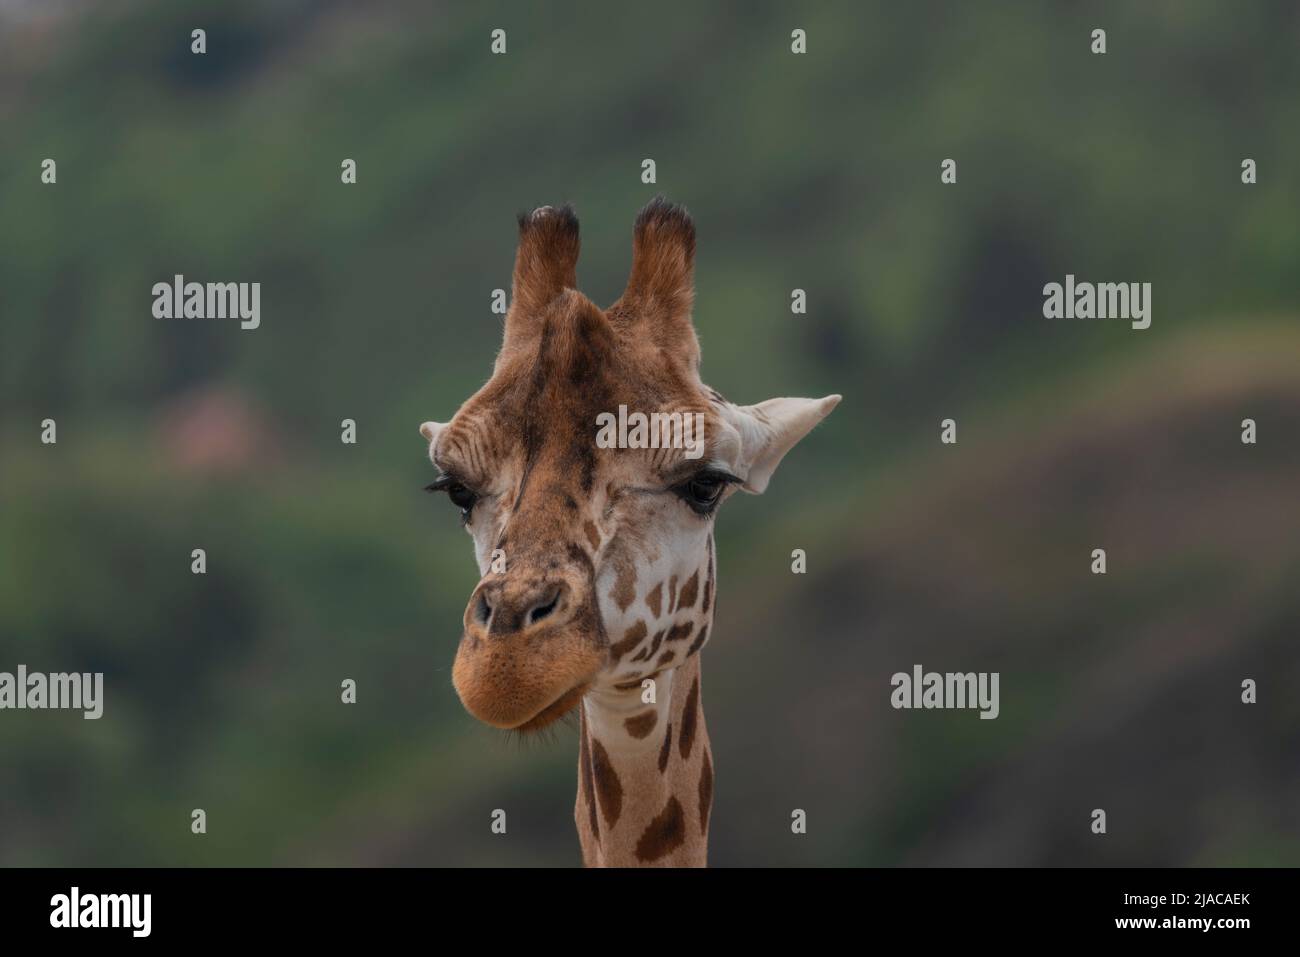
678,632
690,718
629,641
699,641
608,787
653,599
689,592
666,751
706,792
646,653
664,834
593,533
624,590
640,725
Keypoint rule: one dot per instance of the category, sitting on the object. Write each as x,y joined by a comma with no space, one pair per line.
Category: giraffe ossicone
610,583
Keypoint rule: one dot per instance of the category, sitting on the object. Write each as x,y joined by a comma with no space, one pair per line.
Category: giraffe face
596,558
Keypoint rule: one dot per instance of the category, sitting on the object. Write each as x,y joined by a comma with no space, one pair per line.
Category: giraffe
598,565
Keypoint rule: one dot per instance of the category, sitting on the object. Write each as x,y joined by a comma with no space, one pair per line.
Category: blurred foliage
820,172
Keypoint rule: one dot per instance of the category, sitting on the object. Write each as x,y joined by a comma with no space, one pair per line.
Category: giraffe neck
645,775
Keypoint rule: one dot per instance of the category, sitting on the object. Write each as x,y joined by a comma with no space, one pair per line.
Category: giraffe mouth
556,710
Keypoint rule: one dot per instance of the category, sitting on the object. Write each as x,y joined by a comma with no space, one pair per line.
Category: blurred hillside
819,172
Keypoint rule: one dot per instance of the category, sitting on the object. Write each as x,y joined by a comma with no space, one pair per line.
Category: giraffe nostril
482,610
543,610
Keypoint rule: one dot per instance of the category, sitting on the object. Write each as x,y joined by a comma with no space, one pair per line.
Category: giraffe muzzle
529,651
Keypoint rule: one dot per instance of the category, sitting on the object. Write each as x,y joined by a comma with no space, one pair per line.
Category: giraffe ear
546,263
771,429
430,431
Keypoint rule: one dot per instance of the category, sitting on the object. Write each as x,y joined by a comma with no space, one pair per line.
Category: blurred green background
327,561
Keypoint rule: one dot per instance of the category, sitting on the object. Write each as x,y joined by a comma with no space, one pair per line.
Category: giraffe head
593,534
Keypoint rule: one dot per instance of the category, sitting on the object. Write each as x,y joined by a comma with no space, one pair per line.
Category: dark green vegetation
820,172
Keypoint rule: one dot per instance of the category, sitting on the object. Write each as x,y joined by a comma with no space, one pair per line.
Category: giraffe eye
702,491
461,495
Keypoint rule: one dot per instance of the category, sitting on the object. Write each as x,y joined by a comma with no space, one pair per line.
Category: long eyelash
440,483
717,475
